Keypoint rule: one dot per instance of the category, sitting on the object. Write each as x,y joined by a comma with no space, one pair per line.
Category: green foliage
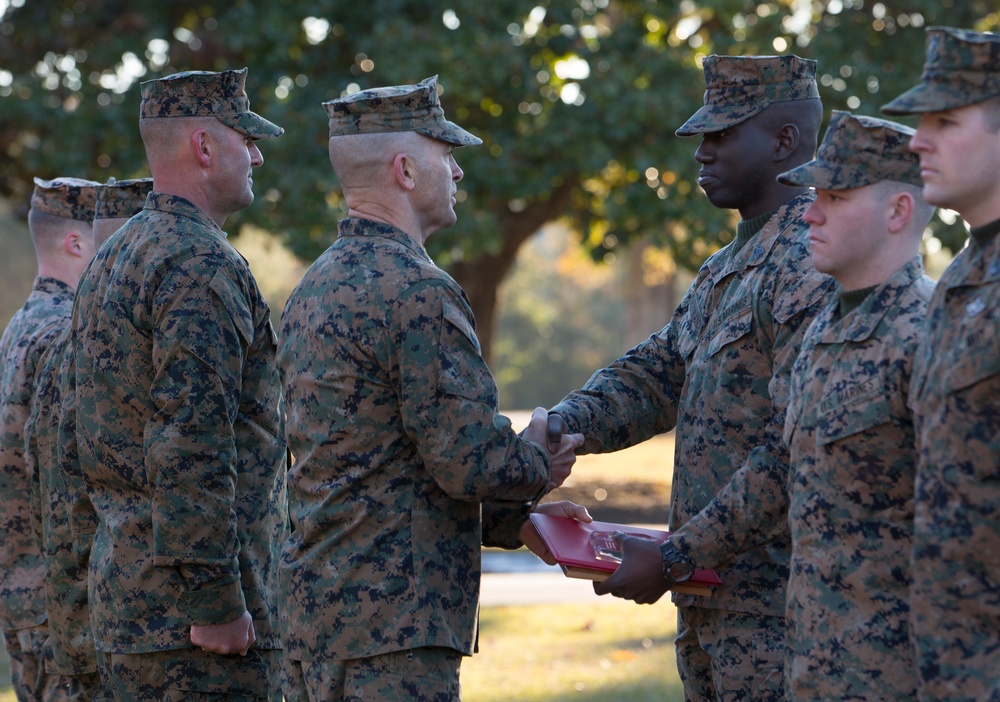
607,161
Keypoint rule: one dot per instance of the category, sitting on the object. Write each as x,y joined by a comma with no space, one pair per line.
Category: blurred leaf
576,101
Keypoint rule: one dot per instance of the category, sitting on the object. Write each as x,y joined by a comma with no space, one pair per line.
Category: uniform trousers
727,656
415,675
191,675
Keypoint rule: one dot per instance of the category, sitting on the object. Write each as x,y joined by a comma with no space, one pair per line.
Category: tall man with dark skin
718,374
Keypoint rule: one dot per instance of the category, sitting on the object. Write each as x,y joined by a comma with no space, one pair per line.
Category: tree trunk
648,304
482,277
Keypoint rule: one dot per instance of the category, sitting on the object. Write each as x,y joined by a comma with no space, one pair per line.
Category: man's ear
404,169
73,243
787,143
901,211
201,146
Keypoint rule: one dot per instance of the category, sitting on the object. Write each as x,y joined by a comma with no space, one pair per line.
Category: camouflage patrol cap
962,68
400,108
206,94
70,198
738,87
118,199
858,150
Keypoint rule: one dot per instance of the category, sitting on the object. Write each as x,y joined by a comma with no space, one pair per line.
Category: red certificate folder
589,551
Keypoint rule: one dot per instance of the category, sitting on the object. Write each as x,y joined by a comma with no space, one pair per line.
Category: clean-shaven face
238,157
959,157
844,230
734,163
438,175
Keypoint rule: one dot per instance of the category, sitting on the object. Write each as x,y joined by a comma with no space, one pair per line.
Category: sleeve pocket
463,372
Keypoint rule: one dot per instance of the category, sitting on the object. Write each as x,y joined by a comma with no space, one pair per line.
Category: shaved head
807,115
165,139
48,231
922,210
362,159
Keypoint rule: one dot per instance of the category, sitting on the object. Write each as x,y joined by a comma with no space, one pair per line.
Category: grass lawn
613,650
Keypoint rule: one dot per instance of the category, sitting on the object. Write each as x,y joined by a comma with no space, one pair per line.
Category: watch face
679,572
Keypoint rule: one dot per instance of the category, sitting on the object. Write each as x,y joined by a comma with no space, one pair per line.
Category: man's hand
562,456
529,535
236,636
640,576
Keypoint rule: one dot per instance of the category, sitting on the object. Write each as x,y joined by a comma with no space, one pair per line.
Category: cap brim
253,125
931,97
450,133
715,118
823,175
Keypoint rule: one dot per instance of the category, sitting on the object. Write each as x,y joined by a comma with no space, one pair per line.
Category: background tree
576,101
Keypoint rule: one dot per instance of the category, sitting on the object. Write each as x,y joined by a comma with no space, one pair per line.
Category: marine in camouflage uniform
179,421
393,422
718,374
54,467
848,428
955,391
60,224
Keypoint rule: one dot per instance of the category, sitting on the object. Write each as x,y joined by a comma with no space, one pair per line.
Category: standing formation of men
60,222
836,414
54,470
848,428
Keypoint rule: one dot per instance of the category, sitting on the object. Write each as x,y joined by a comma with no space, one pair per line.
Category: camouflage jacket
718,372
180,431
392,419
22,566
56,490
955,397
853,463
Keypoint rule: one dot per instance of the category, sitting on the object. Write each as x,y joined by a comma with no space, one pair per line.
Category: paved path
520,578
510,589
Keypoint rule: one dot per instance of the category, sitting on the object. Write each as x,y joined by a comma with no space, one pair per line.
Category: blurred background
579,218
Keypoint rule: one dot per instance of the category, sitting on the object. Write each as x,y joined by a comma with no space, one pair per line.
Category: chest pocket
976,357
735,327
852,410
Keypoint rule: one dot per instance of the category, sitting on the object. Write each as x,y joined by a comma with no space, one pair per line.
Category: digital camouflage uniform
58,490
22,563
718,374
853,458
403,466
955,397
181,434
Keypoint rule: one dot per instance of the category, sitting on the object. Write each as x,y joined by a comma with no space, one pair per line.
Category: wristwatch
677,567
